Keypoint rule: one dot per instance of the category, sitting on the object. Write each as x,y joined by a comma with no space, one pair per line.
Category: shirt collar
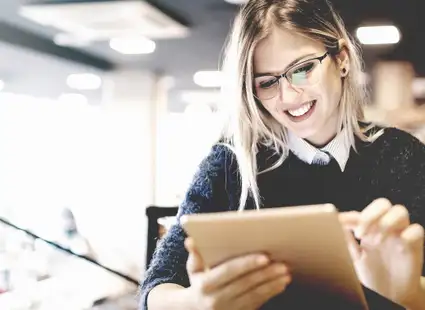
338,148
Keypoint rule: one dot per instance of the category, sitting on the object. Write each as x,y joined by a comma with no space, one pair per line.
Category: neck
322,143
325,134
322,139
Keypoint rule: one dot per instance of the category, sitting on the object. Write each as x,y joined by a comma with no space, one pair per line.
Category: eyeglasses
303,74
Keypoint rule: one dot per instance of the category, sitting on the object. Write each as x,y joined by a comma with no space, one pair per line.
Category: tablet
309,239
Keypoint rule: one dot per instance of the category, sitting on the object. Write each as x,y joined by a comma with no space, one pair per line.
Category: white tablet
309,239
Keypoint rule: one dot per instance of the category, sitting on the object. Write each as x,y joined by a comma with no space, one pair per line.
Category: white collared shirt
338,148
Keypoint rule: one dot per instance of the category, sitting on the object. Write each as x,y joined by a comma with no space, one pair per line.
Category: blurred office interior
108,106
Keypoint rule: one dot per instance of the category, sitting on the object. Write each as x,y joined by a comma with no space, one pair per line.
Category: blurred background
106,109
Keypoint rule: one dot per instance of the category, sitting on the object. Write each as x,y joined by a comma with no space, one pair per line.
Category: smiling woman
295,136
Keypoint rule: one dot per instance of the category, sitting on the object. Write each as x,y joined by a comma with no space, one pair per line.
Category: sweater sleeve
407,174
207,193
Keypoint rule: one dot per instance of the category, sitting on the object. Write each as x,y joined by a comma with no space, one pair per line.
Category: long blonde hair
247,125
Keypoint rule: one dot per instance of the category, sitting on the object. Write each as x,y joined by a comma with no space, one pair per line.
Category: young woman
295,137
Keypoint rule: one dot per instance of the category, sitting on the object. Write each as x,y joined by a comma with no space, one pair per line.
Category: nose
287,93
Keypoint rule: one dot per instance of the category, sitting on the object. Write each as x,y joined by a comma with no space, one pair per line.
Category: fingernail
283,283
262,260
287,279
281,269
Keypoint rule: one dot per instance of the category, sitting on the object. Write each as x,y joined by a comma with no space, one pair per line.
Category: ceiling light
84,81
132,45
378,35
66,39
111,19
208,78
77,99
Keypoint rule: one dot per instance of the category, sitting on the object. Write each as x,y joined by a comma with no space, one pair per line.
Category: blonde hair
247,125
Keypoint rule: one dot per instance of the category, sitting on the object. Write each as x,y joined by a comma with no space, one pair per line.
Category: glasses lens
306,74
266,87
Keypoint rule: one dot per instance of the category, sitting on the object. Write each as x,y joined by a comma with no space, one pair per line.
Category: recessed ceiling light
133,45
84,81
208,78
378,35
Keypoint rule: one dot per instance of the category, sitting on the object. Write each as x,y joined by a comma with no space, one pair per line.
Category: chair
154,213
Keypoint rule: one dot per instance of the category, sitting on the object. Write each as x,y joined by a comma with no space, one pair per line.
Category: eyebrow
288,66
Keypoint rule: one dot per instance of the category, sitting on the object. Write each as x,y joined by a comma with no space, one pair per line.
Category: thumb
353,246
194,262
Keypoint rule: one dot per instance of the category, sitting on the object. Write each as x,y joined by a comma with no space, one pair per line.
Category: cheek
331,90
335,92
269,105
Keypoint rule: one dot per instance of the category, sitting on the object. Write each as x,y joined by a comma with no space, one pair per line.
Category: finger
371,215
254,279
194,262
256,297
227,272
189,244
353,246
394,221
413,237
349,220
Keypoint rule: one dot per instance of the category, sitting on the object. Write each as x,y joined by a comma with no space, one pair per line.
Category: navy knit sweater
392,167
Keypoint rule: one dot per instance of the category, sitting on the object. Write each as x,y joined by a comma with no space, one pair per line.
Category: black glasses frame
284,75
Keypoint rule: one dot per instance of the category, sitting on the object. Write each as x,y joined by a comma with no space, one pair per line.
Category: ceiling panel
209,22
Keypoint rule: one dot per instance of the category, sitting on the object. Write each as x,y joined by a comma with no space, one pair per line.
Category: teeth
302,110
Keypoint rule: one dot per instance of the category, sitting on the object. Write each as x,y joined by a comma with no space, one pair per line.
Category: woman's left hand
389,257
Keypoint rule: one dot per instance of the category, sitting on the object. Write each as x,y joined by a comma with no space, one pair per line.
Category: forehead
280,48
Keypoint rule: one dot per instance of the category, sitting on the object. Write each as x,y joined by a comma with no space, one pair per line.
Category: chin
305,133
303,129
319,134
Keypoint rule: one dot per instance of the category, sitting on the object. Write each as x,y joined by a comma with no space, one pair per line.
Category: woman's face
308,106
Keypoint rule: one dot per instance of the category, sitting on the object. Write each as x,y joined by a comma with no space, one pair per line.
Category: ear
343,58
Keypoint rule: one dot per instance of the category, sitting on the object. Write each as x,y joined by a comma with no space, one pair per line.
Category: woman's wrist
169,296
417,302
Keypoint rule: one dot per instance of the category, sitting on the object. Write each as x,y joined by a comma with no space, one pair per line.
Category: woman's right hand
245,282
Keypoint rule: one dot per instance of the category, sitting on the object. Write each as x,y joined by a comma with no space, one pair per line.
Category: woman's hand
245,283
389,258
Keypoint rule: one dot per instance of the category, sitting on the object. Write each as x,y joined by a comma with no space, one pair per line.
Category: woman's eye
305,68
268,83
